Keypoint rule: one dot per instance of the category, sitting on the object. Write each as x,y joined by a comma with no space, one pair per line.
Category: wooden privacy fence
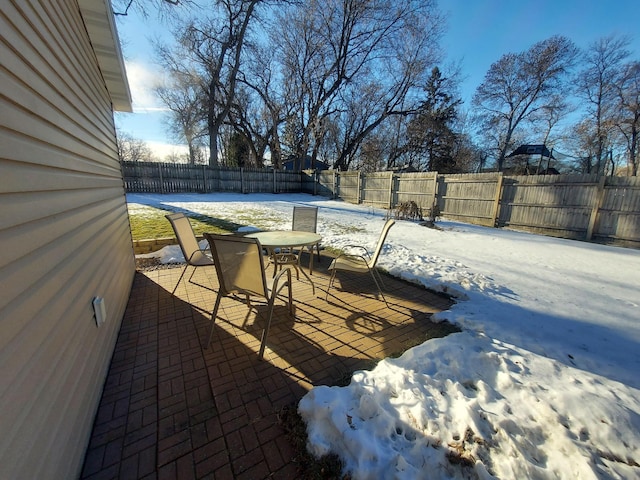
153,177
582,207
378,189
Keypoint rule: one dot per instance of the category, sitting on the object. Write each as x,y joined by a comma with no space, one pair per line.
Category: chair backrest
383,235
238,262
305,219
184,233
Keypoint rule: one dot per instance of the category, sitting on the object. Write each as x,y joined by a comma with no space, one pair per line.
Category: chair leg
214,314
192,272
380,278
290,298
274,294
265,332
180,279
317,254
378,285
333,276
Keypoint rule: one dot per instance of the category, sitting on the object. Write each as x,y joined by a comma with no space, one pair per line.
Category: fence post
496,200
242,180
596,208
335,184
434,200
275,188
391,191
161,180
359,189
316,179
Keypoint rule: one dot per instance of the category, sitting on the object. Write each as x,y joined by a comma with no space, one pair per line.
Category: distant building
296,164
406,168
540,150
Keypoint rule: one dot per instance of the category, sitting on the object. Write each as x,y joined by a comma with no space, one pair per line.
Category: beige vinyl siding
64,237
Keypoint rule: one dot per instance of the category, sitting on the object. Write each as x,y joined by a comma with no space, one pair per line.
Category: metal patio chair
193,255
364,263
240,270
305,219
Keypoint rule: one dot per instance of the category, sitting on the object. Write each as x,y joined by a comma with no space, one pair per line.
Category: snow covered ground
543,382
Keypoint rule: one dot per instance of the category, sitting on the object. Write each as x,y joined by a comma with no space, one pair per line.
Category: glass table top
286,238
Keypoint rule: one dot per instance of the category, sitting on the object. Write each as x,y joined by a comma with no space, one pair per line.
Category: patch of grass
204,223
341,229
256,217
150,222
334,252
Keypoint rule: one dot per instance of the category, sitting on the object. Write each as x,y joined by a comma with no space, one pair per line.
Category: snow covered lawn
543,382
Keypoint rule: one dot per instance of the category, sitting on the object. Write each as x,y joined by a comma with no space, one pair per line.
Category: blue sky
478,34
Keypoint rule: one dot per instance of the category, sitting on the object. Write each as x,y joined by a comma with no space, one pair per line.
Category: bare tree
352,63
596,84
163,8
183,97
132,149
212,45
548,118
583,142
520,84
469,157
628,121
373,153
176,157
386,148
259,110
248,120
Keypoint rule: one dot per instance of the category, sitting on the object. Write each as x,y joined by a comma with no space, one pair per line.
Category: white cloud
162,150
142,79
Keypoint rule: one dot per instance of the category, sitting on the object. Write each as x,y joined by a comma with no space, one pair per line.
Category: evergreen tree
431,131
239,152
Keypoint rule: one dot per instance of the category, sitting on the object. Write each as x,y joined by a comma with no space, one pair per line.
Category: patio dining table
281,246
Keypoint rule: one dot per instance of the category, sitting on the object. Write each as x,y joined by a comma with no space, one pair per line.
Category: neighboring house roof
98,18
403,169
541,150
294,163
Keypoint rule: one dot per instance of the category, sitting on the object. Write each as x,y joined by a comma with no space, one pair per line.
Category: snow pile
466,406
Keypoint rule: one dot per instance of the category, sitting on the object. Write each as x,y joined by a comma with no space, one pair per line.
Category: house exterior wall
64,237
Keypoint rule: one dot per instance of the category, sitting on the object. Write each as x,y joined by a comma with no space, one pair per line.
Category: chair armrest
274,286
204,252
358,246
349,255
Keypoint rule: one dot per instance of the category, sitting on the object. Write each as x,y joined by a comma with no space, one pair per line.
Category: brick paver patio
173,409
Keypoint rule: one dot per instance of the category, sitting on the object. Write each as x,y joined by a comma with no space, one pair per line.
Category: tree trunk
213,144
